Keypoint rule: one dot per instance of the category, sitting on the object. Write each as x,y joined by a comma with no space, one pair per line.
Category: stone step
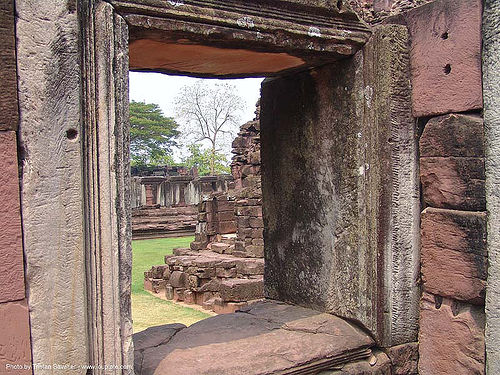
265,338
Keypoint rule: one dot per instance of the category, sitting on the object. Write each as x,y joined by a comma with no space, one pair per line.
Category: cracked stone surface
268,337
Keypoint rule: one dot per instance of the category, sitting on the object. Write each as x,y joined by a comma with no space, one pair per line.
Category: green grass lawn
148,310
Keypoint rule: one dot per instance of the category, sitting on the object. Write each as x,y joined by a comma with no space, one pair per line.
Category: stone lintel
246,38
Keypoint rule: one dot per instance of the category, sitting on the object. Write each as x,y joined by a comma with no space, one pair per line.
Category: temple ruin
380,178
224,268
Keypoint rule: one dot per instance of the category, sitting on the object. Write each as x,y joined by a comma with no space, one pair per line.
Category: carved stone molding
213,38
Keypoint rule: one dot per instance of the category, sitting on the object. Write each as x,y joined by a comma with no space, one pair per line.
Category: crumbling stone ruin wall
248,190
224,268
167,206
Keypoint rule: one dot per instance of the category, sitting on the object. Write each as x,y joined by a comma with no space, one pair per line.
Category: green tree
205,161
152,135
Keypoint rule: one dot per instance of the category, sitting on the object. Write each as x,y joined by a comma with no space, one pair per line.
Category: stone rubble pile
224,267
151,222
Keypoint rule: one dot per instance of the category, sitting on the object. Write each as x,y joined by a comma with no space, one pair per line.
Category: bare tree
209,112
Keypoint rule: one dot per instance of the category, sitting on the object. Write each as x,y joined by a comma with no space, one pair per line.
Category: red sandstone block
256,222
453,182
227,227
11,251
225,205
15,343
446,57
454,262
404,358
451,337
226,216
453,135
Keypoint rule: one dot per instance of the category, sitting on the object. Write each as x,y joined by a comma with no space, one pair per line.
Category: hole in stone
438,301
71,134
444,35
339,5
447,69
455,308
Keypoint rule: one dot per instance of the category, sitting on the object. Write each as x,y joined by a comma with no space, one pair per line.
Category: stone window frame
105,63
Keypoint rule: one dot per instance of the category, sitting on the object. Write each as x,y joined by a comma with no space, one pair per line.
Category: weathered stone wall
15,340
340,189
167,206
491,84
224,268
447,92
175,190
159,222
248,190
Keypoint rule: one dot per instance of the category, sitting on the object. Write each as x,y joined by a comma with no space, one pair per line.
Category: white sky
161,89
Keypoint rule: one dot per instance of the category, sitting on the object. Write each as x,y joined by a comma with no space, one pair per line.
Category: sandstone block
453,135
250,267
148,285
255,211
11,250
225,272
454,262
179,279
157,272
256,222
189,297
227,227
157,285
226,216
169,292
225,205
193,282
446,57
15,342
257,233
221,307
235,290
256,251
179,294
248,342
377,364
404,358
453,182
219,247
451,337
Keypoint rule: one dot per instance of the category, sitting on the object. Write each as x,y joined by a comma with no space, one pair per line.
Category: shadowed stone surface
15,346
11,248
8,84
340,190
451,337
453,135
151,338
491,71
454,261
266,338
452,162
446,57
453,182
